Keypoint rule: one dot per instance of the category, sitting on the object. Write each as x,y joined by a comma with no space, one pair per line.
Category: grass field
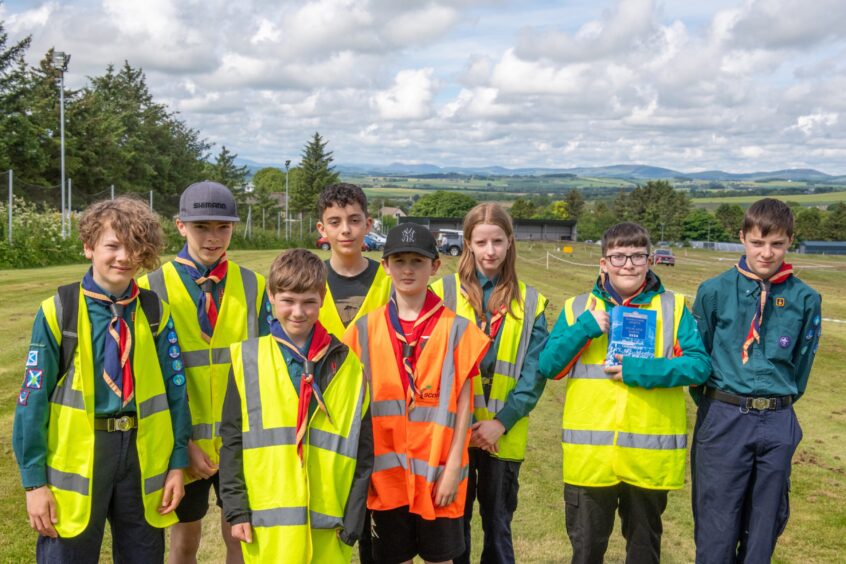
816,530
823,199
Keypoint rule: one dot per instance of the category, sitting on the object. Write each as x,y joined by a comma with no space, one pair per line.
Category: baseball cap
207,201
410,238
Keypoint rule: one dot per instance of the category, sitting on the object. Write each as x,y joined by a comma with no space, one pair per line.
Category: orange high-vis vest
411,448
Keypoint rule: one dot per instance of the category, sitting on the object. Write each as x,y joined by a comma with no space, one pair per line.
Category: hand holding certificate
632,334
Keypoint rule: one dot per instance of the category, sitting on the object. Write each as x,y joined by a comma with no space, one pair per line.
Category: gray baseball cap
207,201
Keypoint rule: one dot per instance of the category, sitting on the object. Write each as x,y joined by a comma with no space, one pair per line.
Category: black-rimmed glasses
638,259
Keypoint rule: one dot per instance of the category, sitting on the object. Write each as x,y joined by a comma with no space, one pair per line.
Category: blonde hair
134,224
298,271
507,289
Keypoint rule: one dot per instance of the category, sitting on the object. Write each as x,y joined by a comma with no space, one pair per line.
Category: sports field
817,528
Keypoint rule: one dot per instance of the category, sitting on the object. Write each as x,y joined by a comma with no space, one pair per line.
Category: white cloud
409,97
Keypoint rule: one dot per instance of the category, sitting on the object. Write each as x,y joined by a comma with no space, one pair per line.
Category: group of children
345,401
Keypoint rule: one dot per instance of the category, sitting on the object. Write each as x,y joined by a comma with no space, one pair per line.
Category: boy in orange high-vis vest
419,358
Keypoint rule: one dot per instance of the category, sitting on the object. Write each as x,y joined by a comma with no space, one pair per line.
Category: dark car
664,256
450,242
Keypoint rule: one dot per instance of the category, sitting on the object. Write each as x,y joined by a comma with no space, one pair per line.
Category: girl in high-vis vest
419,358
485,290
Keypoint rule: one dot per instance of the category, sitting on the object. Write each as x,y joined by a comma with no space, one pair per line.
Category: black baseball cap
410,238
207,201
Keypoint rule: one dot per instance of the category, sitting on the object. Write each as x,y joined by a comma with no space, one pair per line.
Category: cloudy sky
730,84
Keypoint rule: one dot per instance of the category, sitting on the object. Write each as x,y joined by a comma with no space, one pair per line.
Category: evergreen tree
225,171
575,204
730,217
315,174
657,206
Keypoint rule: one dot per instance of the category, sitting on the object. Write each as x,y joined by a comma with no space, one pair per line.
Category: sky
739,86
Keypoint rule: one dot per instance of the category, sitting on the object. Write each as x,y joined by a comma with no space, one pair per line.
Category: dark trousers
493,482
741,480
116,497
589,514
365,543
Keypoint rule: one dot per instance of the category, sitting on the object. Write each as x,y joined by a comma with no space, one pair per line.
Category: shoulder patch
779,302
32,358
23,398
34,378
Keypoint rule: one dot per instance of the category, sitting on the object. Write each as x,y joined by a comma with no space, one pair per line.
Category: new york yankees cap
410,238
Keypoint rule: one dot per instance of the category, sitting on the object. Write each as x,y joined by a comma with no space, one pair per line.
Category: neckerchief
320,341
432,307
206,308
492,327
117,370
615,297
784,272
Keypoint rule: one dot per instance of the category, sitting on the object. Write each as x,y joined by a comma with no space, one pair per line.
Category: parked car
373,243
323,243
664,256
450,242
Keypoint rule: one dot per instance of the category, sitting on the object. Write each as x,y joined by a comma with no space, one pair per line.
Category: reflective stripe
422,414
495,406
154,483
576,437
323,521
530,310
257,437
332,442
387,408
364,345
431,473
450,291
388,460
590,371
153,405
67,481
668,308
64,394
479,402
221,355
580,304
506,368
196,359
279,516
249,359
652,442
206,431
57,303
248,279
157,283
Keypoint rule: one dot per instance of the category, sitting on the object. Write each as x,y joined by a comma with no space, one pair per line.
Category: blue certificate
632,334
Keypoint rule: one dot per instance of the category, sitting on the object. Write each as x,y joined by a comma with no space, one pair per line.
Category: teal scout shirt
780,364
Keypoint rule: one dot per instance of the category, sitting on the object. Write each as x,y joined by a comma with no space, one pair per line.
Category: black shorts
195,504
399,536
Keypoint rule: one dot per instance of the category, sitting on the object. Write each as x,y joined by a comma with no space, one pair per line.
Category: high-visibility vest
515,334
207,364
70,429
611,432
377,296
296,507
411,447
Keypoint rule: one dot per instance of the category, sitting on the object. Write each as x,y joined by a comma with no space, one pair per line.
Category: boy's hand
41,508
174,491
199,464
446,488
243,532
616,372
602,318
487,434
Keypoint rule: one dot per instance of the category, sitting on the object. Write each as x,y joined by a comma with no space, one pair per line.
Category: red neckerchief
206,308
320,341
407,347
784,272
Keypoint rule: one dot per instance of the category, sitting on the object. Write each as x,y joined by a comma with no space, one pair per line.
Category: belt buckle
761,403
123,423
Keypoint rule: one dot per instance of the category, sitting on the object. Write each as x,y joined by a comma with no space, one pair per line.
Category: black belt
757,403
111,424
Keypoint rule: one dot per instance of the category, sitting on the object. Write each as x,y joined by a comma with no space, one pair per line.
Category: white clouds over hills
736,85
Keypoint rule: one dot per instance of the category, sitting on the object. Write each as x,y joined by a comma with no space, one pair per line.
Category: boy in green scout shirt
760,325
100,430
215,303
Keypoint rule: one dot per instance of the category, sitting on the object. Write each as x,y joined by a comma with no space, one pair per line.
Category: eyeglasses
638,259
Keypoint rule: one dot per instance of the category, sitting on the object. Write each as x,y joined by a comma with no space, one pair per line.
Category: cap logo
216,205
408,235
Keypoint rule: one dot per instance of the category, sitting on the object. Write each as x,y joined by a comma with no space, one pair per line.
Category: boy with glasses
624,430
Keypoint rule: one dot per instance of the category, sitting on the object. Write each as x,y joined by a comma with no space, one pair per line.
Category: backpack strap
152,307
68,314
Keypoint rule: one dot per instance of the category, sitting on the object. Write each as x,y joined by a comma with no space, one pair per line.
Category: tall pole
151,199
10,206
70,183
63,59
113,191
287,228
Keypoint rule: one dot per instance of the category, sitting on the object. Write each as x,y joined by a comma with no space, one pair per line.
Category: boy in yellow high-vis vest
102,423
215,303
297,442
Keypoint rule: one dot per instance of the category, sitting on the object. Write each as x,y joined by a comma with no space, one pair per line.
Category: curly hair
297,271
134,224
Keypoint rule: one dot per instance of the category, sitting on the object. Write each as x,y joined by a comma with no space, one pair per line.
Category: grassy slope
815,531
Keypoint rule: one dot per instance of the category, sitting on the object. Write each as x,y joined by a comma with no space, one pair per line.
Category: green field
816,530
804,199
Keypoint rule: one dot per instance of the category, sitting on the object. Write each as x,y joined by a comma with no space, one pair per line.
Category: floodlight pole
62,59
287,228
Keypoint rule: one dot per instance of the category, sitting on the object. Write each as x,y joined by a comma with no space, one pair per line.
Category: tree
595,221
834,225
316,173
558,210
523,209
657,206
443,204
730,217
809,225
575,204
700,225
12,71
225,171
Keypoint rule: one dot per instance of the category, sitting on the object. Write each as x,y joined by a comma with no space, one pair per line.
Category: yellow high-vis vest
515,334
70,430
296,507
377,296
611,432
207,364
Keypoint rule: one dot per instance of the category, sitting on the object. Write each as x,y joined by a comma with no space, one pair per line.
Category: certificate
632,334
